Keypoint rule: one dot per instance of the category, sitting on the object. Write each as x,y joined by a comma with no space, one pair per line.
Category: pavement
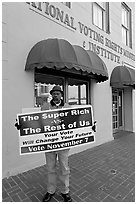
105,173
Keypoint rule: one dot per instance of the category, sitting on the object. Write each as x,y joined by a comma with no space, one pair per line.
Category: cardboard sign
54,130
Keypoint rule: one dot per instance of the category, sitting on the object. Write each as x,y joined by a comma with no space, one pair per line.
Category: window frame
128,28
97,6
105,16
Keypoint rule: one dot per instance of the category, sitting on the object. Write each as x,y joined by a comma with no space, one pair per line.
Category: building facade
88,48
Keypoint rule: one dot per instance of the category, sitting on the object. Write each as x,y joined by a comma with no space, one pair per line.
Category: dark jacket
52,105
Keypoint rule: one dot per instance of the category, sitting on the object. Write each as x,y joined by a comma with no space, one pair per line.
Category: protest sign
54,130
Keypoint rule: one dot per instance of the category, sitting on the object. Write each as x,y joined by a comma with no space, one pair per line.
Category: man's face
56,95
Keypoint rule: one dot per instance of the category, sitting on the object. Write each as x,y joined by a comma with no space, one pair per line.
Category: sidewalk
105,173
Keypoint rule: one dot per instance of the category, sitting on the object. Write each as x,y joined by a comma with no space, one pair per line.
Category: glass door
117,110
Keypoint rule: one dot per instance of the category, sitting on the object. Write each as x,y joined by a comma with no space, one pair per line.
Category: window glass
83,94
124,36
77,92
73,94
125,17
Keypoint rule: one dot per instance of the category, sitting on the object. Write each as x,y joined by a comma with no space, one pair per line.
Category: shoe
66,197
47,197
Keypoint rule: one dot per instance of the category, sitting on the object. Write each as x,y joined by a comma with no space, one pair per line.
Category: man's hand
17,125
94,126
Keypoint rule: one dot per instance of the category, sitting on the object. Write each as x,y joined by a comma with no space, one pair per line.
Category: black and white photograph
68,101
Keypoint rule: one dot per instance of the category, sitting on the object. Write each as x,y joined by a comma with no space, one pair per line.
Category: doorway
117,110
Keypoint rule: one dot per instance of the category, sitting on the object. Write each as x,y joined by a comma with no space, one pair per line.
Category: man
51,157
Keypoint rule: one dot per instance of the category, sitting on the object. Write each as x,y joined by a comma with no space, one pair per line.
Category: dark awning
61,55
122,76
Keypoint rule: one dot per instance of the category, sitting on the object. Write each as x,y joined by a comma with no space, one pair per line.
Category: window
126,25
68,4
101,15
76,91
43,84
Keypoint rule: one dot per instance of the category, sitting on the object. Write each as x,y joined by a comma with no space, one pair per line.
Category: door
117,110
